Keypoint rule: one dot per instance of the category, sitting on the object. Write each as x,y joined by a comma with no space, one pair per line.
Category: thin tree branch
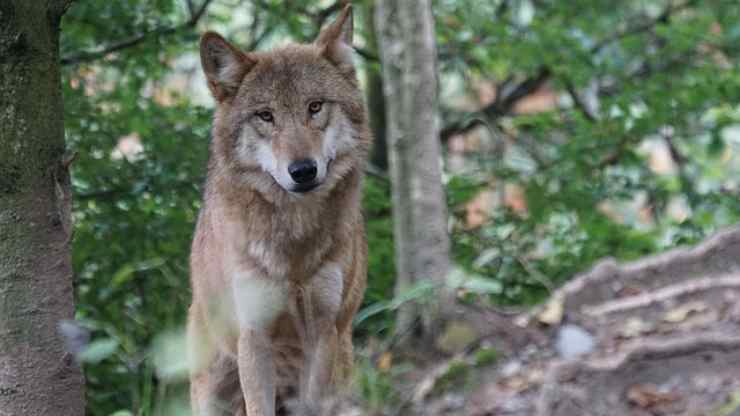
256,40
254,37
676,155
502,105
366,54
577,100
58,8
88,56
376,172
687,185
319,17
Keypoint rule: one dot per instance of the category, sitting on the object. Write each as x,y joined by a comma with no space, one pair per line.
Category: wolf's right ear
223,64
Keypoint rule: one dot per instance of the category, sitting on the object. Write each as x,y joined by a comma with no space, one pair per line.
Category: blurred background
570,131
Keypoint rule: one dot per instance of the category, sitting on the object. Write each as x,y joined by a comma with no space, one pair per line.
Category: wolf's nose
303,171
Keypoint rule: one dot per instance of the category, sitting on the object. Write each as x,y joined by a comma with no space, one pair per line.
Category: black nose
303,171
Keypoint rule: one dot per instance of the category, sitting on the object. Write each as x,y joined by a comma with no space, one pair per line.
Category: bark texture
405,33
37,376
374,94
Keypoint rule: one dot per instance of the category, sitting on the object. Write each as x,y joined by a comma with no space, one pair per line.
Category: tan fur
277,276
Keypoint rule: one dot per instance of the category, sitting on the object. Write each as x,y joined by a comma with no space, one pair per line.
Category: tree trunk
37,376
405,30
374,94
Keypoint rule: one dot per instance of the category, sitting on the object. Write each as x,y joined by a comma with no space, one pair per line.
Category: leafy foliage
629,76
134,208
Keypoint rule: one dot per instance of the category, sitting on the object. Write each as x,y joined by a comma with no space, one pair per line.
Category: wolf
279,256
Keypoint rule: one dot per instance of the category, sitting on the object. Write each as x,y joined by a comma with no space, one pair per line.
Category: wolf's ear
223,64
335,41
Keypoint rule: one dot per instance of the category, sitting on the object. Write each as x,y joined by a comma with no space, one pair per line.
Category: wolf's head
290,119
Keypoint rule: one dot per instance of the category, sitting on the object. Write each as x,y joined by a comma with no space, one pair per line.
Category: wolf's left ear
335,41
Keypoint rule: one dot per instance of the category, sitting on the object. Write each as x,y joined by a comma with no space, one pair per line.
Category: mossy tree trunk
37,376
374,93
405,31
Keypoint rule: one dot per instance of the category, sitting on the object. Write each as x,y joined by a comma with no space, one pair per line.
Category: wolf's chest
296,262
261,300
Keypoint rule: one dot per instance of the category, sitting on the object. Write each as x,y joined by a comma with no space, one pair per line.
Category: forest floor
659,336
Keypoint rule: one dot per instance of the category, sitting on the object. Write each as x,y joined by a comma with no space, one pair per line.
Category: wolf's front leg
320,360
256,373
258,303
322,301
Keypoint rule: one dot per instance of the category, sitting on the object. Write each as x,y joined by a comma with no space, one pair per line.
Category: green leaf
99,350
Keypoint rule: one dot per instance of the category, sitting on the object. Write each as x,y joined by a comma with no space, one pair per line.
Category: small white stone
573,341
511,368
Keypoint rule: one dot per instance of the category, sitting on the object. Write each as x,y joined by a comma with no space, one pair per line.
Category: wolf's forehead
290,75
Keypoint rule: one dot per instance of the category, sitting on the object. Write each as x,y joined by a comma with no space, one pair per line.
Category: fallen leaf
385,361
701,320
680,313
648,396
552,313
634,327
516,383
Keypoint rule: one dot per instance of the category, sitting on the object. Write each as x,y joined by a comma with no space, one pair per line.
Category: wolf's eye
266,116
314,107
